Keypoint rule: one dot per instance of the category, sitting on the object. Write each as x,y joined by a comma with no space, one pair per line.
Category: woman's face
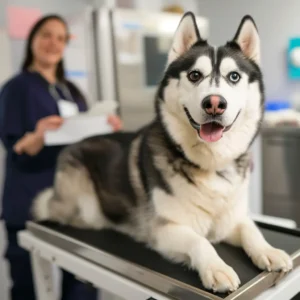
49,43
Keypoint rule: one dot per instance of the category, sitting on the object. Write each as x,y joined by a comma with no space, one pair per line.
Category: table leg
43,277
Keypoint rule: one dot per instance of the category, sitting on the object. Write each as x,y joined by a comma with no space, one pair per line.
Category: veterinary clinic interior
149,150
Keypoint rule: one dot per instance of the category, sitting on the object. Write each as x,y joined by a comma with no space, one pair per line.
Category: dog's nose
214,104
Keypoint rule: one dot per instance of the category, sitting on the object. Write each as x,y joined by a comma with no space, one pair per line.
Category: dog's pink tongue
211,132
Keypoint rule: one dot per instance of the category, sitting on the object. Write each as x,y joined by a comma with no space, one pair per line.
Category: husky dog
179,184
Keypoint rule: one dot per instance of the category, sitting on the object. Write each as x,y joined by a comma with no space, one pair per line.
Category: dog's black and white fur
168,185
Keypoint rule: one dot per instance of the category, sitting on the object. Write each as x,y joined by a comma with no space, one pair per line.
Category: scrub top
24,100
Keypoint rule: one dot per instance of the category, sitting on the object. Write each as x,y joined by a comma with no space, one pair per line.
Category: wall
2,13
66,7
156,5
277,21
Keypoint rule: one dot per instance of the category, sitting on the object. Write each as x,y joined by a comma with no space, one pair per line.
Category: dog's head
216,92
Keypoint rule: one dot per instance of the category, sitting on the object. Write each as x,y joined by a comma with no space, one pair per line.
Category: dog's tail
41,208
49,206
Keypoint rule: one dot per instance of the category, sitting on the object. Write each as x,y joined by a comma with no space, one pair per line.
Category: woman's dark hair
60,70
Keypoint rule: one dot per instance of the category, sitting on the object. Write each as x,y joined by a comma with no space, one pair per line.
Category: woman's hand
33,142
115,122
30,143
48,123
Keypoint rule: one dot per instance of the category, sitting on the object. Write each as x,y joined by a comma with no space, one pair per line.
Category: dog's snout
214,104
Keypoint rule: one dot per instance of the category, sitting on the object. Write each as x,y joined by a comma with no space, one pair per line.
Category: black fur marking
161,88
176,157
190,14
258,127
183,172
216,67
245,18
174,50
141,156
170,143
232,49
159,181
184,63
242,164
222,175
244,64
187,177
215,76
106,160
200,43
150,175
194,124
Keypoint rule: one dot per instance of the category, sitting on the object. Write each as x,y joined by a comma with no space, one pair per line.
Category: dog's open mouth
211,131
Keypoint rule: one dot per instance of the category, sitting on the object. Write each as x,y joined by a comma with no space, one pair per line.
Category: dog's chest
213,199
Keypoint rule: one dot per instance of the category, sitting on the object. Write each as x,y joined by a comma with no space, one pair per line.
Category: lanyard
65,91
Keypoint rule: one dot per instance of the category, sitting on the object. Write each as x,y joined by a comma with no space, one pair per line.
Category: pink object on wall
20,21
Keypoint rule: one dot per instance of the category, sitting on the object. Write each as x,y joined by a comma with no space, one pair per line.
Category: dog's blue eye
234,77
195,76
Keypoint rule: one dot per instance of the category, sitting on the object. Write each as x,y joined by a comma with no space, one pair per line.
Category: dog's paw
272,259
220,277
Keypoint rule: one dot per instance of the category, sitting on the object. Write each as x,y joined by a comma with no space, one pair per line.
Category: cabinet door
281,165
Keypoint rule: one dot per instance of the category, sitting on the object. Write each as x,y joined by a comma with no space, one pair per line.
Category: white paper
83,125
67,108
104,107
77,128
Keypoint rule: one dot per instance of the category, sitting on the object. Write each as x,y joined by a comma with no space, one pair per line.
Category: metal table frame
44,255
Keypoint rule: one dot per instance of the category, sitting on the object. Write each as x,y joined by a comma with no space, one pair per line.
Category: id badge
67,108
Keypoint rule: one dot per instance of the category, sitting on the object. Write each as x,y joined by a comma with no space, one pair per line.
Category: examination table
114,262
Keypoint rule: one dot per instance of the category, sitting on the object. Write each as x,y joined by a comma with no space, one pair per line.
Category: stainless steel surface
105,54
89,26
137,55
159,282
79,57
281,172
156,281
261,283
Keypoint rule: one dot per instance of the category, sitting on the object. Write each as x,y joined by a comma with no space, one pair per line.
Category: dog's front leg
263,255
181,243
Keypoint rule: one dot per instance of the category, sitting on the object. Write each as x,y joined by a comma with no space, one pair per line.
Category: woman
30,105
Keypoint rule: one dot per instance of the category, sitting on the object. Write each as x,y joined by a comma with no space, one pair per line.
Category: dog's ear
248,39
186,35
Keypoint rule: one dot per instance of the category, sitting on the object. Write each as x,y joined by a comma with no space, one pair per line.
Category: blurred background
118,51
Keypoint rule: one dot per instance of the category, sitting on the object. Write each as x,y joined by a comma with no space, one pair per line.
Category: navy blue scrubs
24,100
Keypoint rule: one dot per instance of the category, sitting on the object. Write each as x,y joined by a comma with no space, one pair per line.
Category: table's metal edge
281,229
159,282
154,280
261,283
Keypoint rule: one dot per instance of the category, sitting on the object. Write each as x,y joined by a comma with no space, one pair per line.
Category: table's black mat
125,248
